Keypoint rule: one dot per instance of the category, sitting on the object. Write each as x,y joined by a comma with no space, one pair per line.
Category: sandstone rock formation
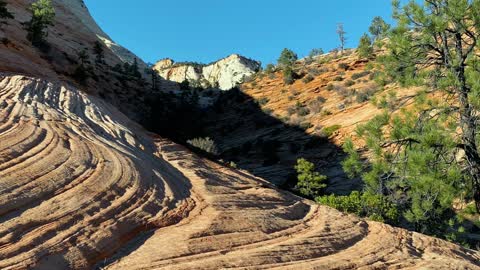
82,186
224,74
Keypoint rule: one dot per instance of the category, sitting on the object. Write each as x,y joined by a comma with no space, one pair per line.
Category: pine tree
286,61
427,156
43,14
379,28
365,48
287,58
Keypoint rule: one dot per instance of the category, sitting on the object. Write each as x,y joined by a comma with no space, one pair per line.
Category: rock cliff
223,74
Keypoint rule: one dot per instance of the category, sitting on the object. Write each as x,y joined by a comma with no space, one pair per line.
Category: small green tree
99,53
4,13
287,58
379,28
82,72
288,75
365,48
310,183
286,61
43,14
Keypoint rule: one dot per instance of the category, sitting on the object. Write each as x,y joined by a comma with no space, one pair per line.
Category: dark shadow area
251,138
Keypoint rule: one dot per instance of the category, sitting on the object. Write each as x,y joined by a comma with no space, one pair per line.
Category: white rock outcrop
224,74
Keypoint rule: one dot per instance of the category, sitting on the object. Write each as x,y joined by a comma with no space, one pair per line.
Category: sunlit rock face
224,74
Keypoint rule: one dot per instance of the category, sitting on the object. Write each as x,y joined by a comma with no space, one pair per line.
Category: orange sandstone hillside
82,187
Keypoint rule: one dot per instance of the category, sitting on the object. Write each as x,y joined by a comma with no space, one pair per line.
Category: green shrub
205,144
373,206
338,79
366,94
343,66
315,106
263,101
310,183
288,76
303,111
365,47
359,75
292,110
306,125
349,83
342,91
329,131
308,78
270,68
330,87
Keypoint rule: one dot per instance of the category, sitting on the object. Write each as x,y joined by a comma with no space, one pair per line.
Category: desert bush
330,87
338,79
342,91
366,94
291,110
365,47
303,111
359,75
326,112
329,131
308,78
373,206
343,66
306,125
205,144
270,68
349,83
315,105
288,75
263,101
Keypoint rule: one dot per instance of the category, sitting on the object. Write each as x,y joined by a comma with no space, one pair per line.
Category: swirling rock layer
81,186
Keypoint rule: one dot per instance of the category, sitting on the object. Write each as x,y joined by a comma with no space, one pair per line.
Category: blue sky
207,30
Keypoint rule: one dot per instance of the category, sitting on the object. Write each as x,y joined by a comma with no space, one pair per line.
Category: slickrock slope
224,74
82,186
80,181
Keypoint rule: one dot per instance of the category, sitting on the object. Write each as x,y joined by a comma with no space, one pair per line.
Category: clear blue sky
207,30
